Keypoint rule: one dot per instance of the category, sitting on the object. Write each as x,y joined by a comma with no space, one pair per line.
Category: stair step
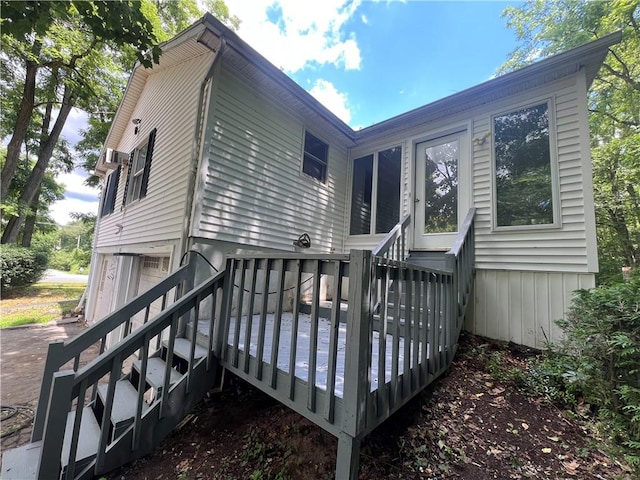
182,348
155,372
88,441
125,400
21,463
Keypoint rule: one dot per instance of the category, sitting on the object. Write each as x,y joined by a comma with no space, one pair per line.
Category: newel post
52,363
59,405
356,371
451,307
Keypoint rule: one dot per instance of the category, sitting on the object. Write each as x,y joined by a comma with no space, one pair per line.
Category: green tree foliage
599,361
64,55
546,28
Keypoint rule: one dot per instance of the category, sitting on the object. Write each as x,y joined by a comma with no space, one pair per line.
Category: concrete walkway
23,352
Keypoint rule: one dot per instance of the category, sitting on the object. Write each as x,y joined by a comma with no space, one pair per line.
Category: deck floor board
302,348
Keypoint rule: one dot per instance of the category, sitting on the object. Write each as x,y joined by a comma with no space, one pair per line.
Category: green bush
20,266
75,261
600,358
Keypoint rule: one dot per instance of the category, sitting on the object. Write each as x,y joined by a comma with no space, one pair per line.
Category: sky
366,61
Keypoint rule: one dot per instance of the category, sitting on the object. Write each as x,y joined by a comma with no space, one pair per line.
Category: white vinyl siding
522,307
168,103
252,190
562,249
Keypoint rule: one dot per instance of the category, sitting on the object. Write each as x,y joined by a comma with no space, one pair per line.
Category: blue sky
367,61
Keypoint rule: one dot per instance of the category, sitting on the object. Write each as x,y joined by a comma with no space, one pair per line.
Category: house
243,227
223,153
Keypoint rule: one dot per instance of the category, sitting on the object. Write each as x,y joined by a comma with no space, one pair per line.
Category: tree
546,28
61,50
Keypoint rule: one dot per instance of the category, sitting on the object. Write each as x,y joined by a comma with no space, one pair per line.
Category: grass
38,303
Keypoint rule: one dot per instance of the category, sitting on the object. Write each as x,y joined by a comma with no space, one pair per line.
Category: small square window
314,162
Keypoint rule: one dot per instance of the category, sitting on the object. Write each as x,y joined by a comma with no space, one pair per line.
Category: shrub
600,358
20,266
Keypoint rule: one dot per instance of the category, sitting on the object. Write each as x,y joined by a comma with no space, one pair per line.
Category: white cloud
60,211
304,33
78,198
327,94
76,121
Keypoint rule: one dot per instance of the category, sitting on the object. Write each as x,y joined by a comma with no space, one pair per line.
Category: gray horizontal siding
252,189
562,249
168,102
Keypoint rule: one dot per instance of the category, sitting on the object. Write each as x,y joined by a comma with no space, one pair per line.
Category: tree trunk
21,127
34,181
30,221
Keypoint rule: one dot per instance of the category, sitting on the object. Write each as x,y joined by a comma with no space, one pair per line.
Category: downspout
195,148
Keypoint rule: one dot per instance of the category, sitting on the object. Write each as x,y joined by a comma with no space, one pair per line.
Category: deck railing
395,245
347,372
67,354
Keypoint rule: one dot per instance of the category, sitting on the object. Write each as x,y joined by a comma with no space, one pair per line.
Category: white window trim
133,194
554,165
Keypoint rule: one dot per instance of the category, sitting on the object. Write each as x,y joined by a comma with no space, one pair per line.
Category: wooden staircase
119,406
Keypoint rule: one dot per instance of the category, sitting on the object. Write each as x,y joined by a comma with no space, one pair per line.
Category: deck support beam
348,459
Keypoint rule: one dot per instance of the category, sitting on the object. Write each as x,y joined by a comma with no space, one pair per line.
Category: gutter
197,138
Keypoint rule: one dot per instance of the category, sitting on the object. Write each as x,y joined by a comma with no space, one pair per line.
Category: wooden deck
346,371
302,348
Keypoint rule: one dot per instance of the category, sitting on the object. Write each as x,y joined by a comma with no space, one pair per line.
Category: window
376,196
109,201
524,190
138,171
314,162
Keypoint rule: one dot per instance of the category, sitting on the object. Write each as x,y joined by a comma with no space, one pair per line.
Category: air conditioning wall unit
113,158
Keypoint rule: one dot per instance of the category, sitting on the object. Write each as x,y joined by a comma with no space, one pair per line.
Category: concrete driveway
56,276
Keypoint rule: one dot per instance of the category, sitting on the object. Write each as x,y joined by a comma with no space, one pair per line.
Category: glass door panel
437,193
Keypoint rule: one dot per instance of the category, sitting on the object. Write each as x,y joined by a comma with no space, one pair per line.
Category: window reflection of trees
523,167
441,188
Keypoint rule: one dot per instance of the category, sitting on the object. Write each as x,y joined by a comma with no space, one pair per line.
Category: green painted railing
64,355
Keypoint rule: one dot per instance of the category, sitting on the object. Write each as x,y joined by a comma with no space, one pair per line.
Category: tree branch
614,118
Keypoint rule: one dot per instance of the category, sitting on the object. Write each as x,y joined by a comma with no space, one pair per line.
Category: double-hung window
315,158
523,167
139,169
375,192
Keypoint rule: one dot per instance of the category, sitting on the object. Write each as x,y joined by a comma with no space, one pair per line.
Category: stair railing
395,246
119,322
71,388
460,260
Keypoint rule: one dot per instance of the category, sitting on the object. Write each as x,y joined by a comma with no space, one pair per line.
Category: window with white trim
138,171
523,167
315,158
375,192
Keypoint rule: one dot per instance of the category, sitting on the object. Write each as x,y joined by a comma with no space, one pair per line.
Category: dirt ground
23,352
466,426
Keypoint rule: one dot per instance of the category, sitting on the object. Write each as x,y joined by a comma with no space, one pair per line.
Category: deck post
58,407
51,366
186,286
356,371
348,459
